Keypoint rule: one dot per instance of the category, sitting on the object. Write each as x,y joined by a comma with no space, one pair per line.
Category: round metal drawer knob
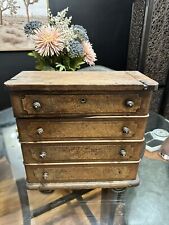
123,152
42,155
83,100
40,131
36,105
129,103
126,130
45,175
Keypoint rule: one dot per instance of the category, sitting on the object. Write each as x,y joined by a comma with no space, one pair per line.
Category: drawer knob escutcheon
126,130
83,100
123,152
36,105
40,131
42,155
45,175
129,103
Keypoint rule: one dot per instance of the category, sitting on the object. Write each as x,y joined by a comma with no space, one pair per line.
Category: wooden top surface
80,80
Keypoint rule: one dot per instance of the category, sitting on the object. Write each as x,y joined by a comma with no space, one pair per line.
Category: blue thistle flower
81,32
30,27
75,49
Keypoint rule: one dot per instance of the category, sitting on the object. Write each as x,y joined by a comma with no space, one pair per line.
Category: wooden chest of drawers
81,129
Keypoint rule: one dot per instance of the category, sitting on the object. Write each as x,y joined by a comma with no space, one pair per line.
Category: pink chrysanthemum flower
89,54
48,41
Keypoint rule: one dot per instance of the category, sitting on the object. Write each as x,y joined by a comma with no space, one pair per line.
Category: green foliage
59,45
76,63
41,62
59,63
60,67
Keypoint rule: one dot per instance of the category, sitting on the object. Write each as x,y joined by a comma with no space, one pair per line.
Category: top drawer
47,104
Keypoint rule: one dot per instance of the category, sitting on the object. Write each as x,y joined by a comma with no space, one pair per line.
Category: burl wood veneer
81,129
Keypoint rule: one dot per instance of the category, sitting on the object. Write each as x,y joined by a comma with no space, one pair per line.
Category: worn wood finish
81,80
141,77
81,172
51,104
77,152
84,185
87,128
77,130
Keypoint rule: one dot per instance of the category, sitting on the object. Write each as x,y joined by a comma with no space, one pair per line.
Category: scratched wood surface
85,106
81,172
82,104
86,80
81,151
79,129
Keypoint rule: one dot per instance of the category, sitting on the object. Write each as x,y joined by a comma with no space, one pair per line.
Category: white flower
48,41
89,54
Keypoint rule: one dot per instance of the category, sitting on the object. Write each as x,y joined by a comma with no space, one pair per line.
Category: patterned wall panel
166,111
136,29
157,57
156,100
149,44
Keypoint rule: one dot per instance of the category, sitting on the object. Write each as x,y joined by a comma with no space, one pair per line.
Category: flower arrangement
59,45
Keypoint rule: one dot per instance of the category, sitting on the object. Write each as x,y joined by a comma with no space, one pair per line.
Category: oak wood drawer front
61,105
53,152
54,129
84,172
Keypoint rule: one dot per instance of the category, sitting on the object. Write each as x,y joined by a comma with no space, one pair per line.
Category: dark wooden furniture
81,129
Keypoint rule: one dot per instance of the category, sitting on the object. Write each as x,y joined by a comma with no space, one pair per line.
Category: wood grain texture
73,136
79,104
139,76
81,172
80,80
78,152
86,128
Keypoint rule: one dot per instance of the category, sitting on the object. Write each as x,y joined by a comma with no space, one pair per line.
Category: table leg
112,207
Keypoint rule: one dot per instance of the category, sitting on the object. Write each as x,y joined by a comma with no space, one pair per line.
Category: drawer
83,151
88,128
80,104
81,172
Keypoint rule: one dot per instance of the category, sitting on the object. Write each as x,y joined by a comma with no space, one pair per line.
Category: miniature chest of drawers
81,129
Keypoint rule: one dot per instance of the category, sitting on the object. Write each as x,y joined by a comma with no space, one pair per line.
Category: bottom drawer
81,172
